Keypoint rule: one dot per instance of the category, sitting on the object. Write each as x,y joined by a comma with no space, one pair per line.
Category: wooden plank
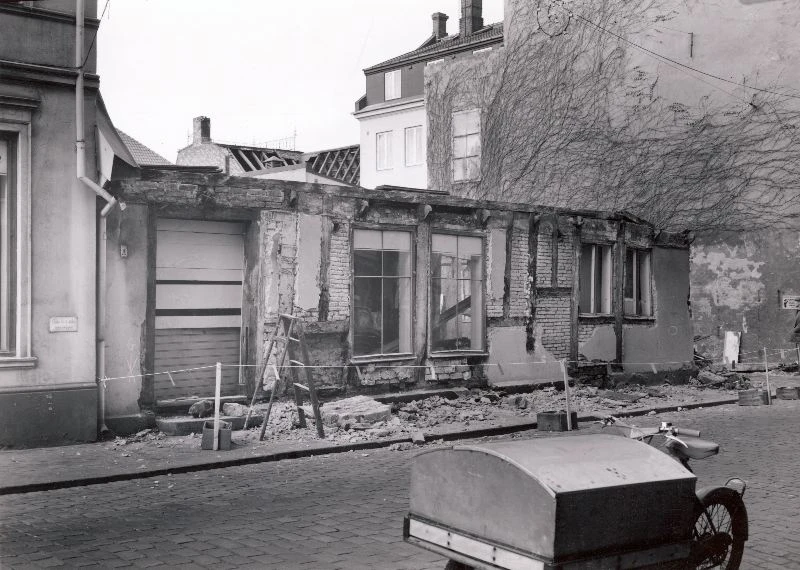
618,287
200,255
147,398
201,274
198,322
198,296
575,296
201,226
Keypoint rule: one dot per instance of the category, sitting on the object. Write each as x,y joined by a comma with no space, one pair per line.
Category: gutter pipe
102,246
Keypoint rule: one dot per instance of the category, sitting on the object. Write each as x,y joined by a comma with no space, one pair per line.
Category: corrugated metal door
198,306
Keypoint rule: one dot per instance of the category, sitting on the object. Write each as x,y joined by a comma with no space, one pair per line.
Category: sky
260,69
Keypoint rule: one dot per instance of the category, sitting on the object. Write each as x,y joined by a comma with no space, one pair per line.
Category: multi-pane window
383,150
466,145
414,147
637,283
392,85
595,279
457,306
8,162
382,291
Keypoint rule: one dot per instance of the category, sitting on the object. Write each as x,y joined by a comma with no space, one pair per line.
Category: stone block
358,409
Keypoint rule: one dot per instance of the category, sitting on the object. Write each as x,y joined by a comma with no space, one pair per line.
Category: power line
94,38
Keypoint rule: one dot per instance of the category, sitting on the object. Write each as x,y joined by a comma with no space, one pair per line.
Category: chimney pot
201,130
471,17
439,25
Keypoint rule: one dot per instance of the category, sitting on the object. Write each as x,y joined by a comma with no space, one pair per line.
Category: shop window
466,145
382,292
595,279
638,298
457,293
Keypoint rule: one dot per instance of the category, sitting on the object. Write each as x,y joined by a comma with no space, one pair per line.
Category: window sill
14,362
377,358
457,354
640,318
598,316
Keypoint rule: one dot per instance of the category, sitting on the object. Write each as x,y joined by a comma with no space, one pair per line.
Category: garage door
198,306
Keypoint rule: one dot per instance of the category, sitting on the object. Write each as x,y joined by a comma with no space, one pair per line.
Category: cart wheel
453,565
719,530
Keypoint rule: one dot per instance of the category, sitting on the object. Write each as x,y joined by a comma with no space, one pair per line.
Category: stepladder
283,352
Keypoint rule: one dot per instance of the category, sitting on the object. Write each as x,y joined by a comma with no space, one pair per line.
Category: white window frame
415,145
599,262
476,322
383,150
462,137
392,84
642,285
15,121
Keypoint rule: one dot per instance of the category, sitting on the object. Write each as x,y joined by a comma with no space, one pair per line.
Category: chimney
439,25
202,130
471,19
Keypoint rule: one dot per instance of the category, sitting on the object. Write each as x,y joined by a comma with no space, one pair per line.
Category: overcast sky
260,69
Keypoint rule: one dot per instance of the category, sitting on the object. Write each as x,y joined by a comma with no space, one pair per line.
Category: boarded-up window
381,292
457,293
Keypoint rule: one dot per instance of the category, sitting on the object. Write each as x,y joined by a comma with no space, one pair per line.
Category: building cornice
434,54
34,72
395,106
41,14
19,102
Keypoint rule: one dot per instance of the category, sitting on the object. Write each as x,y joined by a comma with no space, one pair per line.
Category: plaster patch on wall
738,278
309,256
601,345
497,265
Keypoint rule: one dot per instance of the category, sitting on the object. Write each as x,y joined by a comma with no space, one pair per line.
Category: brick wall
339,274
553,314
519,284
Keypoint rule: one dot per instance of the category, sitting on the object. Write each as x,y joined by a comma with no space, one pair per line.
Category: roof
491,34
252,158
142,154
343,164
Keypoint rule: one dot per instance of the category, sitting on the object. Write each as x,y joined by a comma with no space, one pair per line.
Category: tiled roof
342,164
492,33
143,155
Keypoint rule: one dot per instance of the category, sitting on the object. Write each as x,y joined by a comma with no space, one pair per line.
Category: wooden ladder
282,338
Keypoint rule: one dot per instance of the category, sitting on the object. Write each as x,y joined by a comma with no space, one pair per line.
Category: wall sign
63,324
790,302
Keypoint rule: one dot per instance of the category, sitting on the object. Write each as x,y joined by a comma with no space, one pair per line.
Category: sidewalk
40,469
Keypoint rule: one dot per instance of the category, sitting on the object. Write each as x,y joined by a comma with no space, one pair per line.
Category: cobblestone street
346,510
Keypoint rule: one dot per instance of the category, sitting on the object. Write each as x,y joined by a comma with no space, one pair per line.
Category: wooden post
566,393
766,373
217,392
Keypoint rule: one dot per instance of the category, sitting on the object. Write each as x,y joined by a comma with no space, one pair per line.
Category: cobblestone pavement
345,510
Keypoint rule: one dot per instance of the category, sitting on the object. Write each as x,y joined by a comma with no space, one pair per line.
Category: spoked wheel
719,530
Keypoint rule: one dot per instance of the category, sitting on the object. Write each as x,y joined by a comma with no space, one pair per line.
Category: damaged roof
252,158
343,164
143,155
432,47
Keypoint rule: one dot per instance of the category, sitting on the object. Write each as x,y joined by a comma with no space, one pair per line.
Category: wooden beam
618,284
575,297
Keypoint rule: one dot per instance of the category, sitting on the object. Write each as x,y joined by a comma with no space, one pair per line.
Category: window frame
396,83
606,280
412,231
454,137
389,150
15,122
419,149
636,284
484,276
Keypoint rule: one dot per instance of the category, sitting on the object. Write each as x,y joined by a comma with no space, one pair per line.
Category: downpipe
102,245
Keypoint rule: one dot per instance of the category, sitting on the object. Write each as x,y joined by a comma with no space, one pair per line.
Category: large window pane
457,297
382,289
7,243
595,279
466,145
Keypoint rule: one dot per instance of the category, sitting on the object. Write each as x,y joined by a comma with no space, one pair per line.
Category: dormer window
392,85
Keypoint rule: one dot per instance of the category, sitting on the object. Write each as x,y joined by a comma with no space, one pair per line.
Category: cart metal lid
583,462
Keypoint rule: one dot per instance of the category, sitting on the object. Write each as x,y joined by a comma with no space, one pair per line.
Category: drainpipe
80,152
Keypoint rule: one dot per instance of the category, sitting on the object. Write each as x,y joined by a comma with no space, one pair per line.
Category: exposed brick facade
294,222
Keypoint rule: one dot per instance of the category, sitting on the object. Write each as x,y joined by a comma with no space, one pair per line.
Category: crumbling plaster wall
736,279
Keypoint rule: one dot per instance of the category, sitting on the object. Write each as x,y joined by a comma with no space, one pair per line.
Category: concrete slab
358,409
185,425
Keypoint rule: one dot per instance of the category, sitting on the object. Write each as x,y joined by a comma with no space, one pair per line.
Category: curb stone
328,449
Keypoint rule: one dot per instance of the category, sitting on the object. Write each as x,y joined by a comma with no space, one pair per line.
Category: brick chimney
471,18
202,130
439,25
